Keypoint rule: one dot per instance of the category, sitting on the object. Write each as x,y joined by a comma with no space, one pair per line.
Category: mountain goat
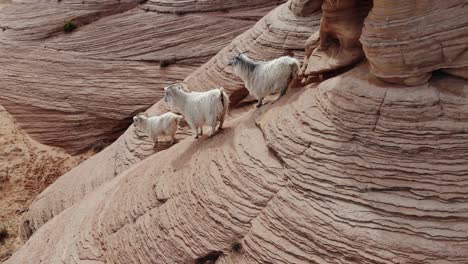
198,108
163,125
262,78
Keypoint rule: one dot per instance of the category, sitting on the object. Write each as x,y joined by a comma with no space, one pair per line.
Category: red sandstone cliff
350,170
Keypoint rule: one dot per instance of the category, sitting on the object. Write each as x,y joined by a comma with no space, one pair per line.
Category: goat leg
259,102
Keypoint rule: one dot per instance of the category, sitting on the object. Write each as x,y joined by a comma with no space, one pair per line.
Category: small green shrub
3,235
236,246
69,26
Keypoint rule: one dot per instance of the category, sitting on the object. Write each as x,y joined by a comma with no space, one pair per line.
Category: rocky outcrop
268,38
351,171
336,45
84,87
405,41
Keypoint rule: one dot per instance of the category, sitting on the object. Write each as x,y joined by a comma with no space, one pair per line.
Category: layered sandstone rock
279,33
190,6
351,171
268,38
337,44
405,41
84,87
305,7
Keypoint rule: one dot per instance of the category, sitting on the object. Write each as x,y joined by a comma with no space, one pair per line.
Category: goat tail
224,100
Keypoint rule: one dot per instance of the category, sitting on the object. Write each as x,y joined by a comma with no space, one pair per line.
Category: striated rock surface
351,171
279,33
268,38
405,41
84,87
336,45
189,6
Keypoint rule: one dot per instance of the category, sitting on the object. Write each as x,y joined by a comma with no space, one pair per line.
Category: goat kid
154,126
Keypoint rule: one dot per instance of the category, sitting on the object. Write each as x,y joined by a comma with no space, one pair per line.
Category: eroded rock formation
336,45
84,87
269,38
350,170
405,41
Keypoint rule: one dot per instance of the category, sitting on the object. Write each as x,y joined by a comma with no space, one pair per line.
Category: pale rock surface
405,41
336,45
351,171
279,33
268,38
190,6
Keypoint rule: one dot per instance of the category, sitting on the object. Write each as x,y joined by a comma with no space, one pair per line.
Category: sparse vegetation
236,246
3,235
69,26
166,62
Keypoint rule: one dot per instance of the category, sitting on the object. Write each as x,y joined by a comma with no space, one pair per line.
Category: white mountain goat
163,125
198,108
262,78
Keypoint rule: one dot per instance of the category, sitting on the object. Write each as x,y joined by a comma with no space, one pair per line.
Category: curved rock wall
351,171
84,87
190,6
405,41
279,33
268,38
336,45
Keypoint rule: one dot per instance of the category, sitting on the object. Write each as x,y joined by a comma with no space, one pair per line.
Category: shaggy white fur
198,108
163,125
262,78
